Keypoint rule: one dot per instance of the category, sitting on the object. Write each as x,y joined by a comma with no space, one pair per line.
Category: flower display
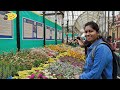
64,70
51,62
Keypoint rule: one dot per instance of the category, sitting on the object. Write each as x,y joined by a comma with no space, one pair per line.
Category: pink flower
44,77
37,70
40,75
32,76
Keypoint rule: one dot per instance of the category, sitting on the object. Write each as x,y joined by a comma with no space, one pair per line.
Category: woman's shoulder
103,47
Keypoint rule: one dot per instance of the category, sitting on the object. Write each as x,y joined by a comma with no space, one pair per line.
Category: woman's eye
88,31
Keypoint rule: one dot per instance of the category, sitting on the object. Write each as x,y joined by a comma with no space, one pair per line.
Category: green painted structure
8,45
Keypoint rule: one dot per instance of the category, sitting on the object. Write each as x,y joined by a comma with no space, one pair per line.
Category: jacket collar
95,43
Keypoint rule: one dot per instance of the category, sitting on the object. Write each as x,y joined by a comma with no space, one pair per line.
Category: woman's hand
80,42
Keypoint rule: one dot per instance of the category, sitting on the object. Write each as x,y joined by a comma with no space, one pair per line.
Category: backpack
116,62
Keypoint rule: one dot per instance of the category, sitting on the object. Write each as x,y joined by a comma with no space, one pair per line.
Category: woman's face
90,34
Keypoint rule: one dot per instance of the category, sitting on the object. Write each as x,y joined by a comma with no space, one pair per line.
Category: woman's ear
98,35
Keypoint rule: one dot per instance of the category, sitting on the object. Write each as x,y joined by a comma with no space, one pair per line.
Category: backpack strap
93,50
93,54
115,61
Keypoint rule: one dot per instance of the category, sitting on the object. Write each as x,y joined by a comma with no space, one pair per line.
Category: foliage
22,60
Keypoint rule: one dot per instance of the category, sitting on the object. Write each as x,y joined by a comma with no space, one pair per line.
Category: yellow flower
38,68
22,72
30,71
51,60
15,77
45,65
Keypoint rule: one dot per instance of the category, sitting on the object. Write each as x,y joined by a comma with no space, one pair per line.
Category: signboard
10,16
32,29
59,34
53,33
6,30
39,30
50,33
47,32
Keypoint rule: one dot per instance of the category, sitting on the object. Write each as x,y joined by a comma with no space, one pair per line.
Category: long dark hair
86,45
105,40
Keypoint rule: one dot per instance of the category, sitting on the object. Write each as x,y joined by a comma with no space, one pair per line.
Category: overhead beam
49,14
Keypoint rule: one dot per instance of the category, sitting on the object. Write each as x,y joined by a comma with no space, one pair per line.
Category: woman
102,63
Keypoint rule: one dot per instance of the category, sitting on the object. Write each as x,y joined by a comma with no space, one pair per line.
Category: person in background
109,40
101,65
84,44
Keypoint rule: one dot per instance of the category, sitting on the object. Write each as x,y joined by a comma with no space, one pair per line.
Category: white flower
50,77
46,70
53,74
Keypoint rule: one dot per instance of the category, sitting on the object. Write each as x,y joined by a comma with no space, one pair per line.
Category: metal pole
117,33
102,23
62,33
113,34
18,31
72,24
108,22
72,33
62,29
44,28
105,24
56,27
113,13
67,26
67,31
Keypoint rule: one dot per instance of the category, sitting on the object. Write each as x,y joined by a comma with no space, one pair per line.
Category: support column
108,22
105,24
44,28
56,27
67,30
113,34
67,26
18,30
72,33
62,30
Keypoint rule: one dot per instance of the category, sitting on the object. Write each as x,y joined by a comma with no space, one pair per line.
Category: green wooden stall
7,34
51,25
26,18
31,32
59,39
